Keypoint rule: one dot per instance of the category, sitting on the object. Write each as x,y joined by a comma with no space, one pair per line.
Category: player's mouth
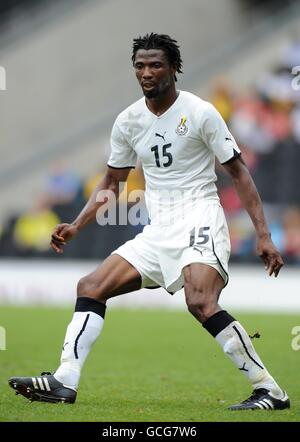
147,85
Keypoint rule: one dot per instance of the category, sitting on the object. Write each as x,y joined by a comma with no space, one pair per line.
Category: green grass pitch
157,366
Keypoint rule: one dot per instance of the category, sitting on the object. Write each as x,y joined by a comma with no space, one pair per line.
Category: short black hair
159,41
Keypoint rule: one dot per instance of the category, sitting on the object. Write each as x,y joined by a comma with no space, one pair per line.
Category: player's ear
174,69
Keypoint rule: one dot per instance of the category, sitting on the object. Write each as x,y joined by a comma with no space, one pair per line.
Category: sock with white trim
237,345
82,332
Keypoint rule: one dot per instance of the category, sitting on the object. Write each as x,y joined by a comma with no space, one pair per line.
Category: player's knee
194,308
201,304
86,287
202,313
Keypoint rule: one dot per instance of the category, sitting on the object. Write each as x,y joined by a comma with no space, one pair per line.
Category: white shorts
160,253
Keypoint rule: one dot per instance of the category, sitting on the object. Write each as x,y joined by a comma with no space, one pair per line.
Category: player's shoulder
131,112
196,103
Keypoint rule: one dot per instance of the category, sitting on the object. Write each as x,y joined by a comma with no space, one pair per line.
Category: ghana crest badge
182,128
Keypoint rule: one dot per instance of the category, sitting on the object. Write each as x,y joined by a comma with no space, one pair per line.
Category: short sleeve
217,137
122,155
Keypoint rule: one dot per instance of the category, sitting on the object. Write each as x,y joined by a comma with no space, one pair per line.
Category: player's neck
159,105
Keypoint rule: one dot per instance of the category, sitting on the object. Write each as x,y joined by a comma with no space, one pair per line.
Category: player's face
153,72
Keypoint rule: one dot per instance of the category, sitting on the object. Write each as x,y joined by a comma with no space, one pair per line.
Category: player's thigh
115,276
202,284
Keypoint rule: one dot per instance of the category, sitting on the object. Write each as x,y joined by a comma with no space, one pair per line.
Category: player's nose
147,73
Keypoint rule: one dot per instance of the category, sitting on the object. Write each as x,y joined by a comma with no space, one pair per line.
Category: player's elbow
241,179
112,182
237,170
236,180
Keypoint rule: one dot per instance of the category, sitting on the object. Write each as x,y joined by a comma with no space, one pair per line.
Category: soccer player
176,135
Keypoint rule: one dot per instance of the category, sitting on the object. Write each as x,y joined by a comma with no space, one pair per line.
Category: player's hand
270,256
61,234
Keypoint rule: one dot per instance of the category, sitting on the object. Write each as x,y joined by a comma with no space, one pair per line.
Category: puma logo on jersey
161,136
228,139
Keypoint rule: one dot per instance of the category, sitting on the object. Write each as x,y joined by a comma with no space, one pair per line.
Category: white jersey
177,150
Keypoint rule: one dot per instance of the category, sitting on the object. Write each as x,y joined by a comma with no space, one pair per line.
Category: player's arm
250,199
110,182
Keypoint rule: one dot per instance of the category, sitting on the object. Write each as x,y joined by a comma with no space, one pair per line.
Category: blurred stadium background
68,74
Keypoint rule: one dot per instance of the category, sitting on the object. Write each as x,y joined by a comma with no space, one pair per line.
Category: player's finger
56,237
271,270
277,263
277,269
274,265
265,259
57,247
59,229
57,241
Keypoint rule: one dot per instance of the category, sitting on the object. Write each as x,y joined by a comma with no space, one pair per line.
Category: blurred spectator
241,234
251,125
291,224
222,97
291,56
33,229
62,185
295,123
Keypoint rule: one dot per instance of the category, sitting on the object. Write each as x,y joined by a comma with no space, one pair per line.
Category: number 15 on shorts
201,238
